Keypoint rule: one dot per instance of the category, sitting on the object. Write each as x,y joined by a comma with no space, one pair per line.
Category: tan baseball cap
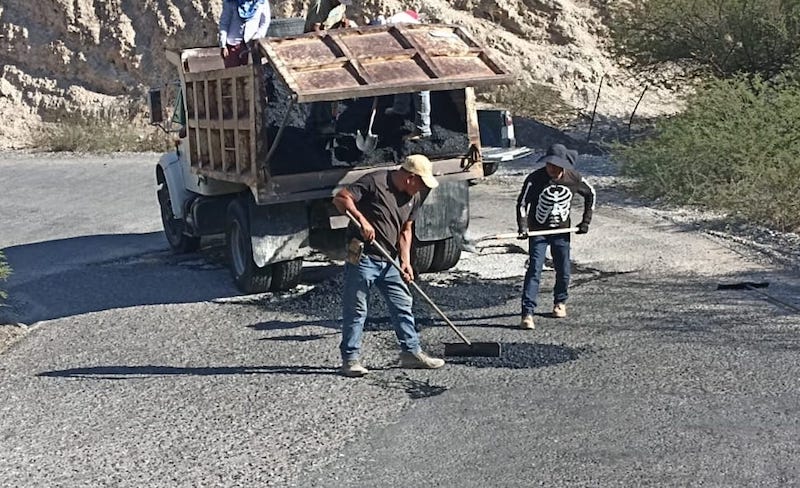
421,166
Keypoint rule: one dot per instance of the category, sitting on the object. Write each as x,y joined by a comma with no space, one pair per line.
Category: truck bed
233,136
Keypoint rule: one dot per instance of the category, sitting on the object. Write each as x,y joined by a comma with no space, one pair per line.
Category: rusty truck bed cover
381,60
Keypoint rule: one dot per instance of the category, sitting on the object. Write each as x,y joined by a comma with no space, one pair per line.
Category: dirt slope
58,56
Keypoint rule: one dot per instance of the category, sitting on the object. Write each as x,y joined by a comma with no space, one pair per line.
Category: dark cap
559,155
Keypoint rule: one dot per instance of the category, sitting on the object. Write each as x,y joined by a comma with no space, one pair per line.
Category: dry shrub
736,149
108,129
536,101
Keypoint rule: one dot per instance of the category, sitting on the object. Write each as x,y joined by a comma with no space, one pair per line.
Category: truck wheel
286,274
174,227
421,256
246,274
489,168
446,254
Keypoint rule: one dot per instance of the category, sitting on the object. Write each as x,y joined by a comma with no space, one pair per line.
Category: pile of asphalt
306,145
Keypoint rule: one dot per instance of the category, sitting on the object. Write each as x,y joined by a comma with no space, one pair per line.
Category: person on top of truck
241,21
326,14
422,99
385,203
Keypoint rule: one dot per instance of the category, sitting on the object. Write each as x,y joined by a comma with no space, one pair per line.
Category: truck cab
265,146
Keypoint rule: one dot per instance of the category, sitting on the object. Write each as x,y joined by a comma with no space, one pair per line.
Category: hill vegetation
736,147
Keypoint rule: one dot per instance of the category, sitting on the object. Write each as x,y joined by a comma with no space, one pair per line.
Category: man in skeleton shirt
544,204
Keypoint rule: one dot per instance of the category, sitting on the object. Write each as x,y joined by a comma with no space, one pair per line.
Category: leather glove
523,234
583,228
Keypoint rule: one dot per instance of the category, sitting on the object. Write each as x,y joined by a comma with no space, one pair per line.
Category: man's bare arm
344,202
404,248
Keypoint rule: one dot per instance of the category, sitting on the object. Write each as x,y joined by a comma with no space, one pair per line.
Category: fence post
630,121
594,110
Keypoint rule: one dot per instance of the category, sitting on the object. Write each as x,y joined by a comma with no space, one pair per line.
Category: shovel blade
366,143
476,349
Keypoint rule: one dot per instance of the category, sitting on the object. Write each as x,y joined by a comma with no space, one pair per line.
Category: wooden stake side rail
222,124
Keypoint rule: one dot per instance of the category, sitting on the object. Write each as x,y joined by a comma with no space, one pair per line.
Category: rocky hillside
59,56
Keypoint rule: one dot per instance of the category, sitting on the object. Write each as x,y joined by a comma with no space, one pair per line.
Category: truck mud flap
278,232
445,213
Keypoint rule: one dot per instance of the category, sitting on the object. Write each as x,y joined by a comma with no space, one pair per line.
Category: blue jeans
537,247
422,109
358,279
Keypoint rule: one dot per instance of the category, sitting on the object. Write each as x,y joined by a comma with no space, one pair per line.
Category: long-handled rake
467,348
471,245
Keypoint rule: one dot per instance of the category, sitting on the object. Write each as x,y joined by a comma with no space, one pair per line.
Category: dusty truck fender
445,213
170,164
278,232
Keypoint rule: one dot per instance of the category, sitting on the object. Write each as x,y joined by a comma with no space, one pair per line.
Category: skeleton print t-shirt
545,203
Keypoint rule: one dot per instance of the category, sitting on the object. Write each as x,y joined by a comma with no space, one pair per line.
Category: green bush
722,37
5,272
736,148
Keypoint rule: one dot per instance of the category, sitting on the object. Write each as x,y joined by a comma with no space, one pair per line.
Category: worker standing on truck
326,14
421,100
385,203
544,204
241,21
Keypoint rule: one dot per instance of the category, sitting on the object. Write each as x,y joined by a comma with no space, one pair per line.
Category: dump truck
262,148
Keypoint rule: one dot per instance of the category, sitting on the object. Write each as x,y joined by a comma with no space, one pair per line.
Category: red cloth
237,55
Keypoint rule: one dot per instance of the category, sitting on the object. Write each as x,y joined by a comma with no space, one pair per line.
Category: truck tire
446,254
286,274
174,228
490,168
421,256
248,277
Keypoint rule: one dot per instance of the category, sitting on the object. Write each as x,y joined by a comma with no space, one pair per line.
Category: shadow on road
134,372
67,277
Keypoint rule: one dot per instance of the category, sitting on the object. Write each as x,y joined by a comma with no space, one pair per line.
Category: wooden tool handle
388,256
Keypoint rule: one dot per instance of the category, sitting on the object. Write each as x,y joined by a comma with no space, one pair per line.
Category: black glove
583,228
523,234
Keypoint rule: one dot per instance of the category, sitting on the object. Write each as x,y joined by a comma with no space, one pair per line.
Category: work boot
416,136
419,360
527,322
559,310
352,368
392,111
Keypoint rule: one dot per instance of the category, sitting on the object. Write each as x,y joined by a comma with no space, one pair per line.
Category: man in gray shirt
385,203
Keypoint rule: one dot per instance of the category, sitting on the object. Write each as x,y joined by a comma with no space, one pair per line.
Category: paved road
147,369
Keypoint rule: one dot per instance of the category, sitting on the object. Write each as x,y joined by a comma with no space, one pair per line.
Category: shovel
468,348
368,143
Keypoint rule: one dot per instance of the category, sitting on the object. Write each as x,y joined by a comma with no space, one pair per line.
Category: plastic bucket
292,26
